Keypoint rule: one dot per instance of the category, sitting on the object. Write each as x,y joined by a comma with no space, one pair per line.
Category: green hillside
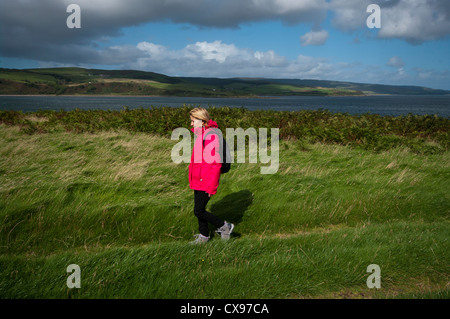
79,81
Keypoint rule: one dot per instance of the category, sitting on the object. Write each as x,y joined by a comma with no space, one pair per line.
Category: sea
392,105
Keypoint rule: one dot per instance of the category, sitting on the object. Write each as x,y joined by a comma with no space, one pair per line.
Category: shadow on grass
232,207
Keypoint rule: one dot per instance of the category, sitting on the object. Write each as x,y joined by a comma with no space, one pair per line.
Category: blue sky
305,39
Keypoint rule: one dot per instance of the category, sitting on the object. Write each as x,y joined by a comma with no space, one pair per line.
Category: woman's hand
209,194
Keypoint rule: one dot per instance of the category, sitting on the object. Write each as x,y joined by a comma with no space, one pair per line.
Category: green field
80,81
111,201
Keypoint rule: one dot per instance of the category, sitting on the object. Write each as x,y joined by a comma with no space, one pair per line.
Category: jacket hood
210,124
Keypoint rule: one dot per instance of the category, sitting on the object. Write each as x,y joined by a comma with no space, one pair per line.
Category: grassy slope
116,205
87,81
132,82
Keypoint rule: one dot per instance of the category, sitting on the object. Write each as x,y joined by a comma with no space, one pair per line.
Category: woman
204,174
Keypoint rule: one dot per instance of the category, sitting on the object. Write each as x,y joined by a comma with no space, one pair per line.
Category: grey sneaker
200,239
225,231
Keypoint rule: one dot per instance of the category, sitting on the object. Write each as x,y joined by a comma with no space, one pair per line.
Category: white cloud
215,59
152,49
216,50
414,21
314,38
218,59
349,15
286,6
396,62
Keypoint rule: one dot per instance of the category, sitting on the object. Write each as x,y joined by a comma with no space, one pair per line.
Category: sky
290,39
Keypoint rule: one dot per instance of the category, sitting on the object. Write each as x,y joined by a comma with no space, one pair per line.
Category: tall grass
113,202
423,134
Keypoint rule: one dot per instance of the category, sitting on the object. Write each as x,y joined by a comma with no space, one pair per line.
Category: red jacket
204,168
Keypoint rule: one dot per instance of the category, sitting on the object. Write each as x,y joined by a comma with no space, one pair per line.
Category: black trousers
201,198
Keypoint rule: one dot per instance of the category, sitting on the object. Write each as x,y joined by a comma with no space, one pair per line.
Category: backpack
225,154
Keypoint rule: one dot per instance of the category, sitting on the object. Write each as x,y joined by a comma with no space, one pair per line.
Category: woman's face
196,122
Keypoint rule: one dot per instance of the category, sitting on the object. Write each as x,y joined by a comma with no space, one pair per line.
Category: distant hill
80,81
368,88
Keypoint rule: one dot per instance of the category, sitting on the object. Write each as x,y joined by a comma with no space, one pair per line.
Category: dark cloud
37,29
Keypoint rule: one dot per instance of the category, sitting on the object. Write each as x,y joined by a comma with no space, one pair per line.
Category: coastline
160,96
169,96
214,97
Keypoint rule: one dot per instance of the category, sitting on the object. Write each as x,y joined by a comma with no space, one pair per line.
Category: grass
422,134
113,202
306,266
78,81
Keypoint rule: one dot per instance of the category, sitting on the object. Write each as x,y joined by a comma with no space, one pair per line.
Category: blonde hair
201,114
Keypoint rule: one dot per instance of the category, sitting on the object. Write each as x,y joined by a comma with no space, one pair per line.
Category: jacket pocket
196,172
